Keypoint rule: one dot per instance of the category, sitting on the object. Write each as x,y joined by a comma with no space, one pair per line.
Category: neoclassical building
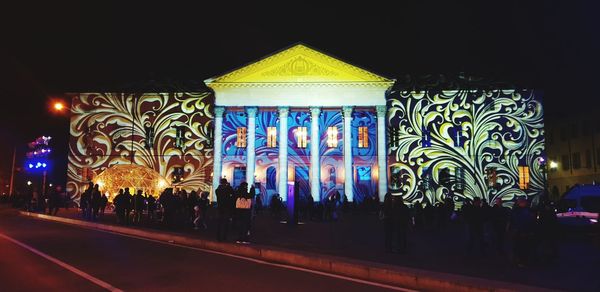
300,116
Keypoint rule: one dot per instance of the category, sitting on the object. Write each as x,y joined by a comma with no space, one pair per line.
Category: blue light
30,165
44,165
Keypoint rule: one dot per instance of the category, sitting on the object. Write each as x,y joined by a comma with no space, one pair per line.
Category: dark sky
48,49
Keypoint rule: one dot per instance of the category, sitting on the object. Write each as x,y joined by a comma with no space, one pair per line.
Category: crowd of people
530,230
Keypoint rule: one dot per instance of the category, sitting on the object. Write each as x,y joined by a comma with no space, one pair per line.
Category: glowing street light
28,182
553,165
58,106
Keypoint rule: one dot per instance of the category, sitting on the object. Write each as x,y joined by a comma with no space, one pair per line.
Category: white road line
63,264
366,282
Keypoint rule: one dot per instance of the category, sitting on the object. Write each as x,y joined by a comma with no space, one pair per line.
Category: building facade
300,116
573,152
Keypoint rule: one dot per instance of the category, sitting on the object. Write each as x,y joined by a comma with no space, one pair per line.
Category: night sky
54,48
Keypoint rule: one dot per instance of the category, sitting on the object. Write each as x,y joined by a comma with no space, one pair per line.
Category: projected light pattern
161,131
500,130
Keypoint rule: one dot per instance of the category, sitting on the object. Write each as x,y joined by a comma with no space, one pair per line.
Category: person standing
243,208
103,203
225,211
54,200
388,221
151,208
95,202
499,221
119,202
85,201
138,206
128,204
522,222
475,223
401,223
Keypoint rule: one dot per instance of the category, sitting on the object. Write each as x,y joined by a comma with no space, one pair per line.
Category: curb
369,271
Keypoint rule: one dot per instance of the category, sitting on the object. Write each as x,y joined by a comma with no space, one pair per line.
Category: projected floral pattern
470,130
162,131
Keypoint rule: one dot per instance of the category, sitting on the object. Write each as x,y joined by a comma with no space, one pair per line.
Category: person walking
54,200
225,211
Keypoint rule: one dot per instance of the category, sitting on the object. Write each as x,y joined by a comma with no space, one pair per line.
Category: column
348,170
381,151
251,146
283,147
217,149
315,156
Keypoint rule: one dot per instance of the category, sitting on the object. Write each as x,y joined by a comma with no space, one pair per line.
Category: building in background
573,152
302,116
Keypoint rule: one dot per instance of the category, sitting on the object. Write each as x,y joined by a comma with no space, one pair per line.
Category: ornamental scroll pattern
501,129
113,128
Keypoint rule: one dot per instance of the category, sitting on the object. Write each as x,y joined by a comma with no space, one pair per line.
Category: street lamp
28,182
553,165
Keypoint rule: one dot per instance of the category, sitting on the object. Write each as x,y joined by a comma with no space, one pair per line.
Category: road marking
366,282
63,264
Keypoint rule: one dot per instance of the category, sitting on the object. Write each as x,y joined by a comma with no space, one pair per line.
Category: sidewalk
357,239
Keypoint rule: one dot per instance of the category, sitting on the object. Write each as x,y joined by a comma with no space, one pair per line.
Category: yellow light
59,106
553,165
332,137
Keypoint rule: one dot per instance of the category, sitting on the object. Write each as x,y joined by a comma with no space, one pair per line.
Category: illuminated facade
302,116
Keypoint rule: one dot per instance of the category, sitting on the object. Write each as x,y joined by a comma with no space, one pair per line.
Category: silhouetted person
475,221
54,200
85,202
243,209
128,203
499,221
522,222
95,201
138,206
151,208
103,203
225,211
401,215
388,220
547,228
119,202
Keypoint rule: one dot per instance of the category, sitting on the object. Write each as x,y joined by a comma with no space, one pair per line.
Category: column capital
219,111
381,111
283,111
347,110
251,111
315,110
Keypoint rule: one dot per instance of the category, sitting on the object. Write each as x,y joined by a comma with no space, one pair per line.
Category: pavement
359,237
132,264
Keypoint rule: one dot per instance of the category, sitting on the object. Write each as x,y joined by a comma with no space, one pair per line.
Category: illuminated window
241,137
332,137
301,135
271,137
523,177
363,137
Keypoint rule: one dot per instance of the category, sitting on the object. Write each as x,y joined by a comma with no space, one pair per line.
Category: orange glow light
59,106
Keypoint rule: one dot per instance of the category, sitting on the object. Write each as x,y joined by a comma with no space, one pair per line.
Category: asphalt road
134,264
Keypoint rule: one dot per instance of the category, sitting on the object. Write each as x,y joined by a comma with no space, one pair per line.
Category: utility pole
12,172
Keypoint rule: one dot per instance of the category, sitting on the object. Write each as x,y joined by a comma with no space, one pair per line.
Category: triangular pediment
298,64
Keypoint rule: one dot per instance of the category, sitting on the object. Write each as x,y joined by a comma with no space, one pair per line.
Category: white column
217,149
381,151
251,146
283,145
348,170
315,156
